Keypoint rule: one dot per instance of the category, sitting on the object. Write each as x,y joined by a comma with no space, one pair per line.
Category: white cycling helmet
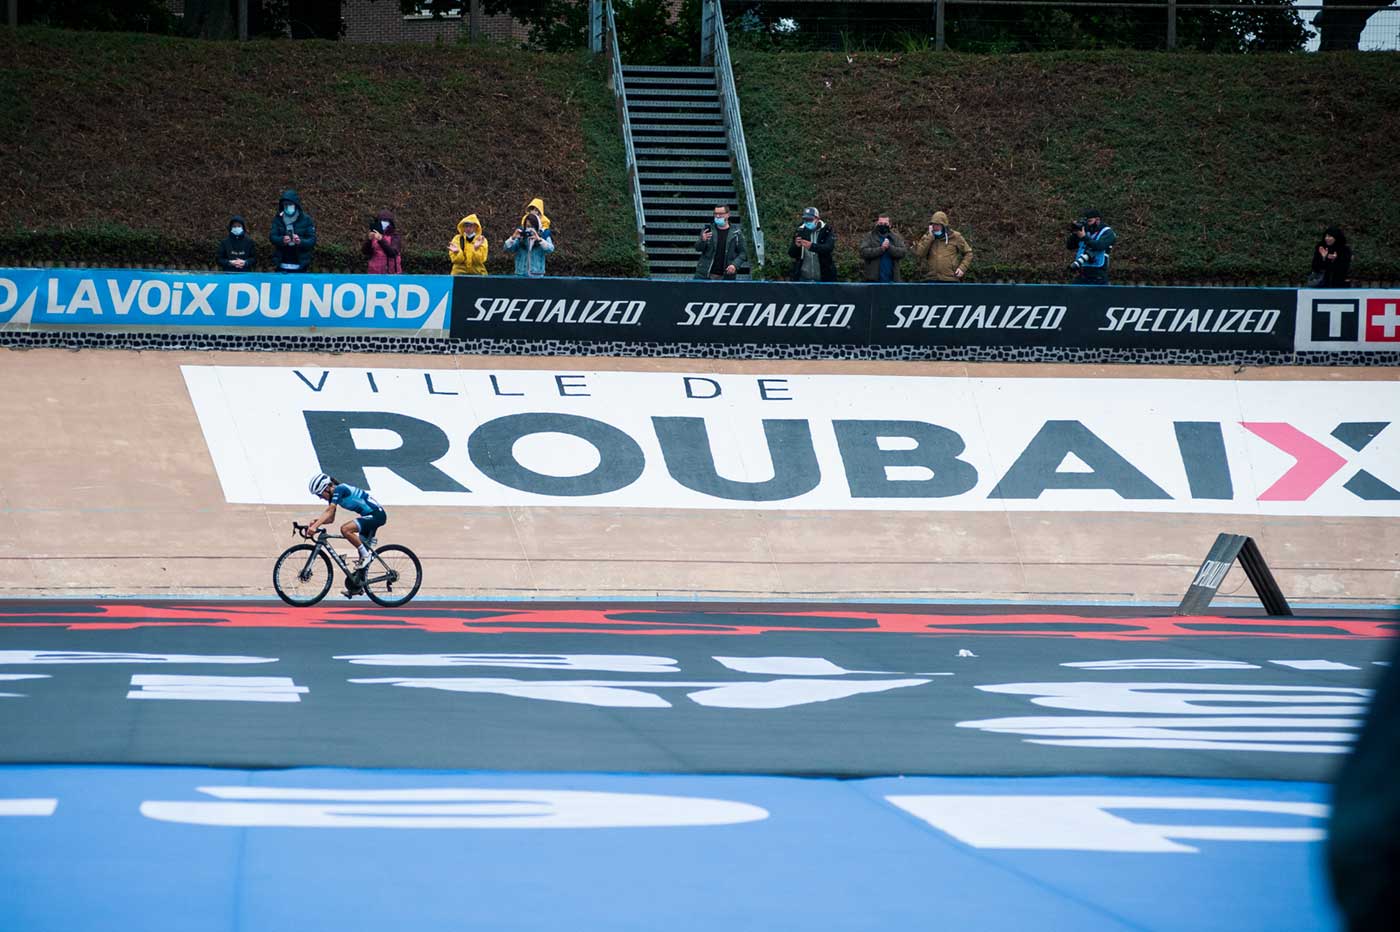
319,483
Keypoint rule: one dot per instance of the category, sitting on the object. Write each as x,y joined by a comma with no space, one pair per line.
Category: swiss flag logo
1383,320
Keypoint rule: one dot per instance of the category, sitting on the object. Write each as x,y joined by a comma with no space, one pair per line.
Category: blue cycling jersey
355,499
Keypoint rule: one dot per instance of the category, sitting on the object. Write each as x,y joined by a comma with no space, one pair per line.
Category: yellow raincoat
470,258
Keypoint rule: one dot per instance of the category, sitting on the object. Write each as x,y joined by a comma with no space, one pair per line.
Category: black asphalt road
813,689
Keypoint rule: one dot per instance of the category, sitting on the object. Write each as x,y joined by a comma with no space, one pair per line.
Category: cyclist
359,531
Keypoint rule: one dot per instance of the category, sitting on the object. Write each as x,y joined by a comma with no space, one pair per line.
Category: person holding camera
943,252
881,251
813,249
293,234
531,241
469,247
383,247
237,253
1092,240
721,248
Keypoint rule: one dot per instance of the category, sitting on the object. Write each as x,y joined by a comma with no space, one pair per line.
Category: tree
100,15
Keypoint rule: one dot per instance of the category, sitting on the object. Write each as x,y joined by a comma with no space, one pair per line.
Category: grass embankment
1210,168
135,150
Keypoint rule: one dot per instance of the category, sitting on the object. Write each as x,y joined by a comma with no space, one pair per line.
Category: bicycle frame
322,541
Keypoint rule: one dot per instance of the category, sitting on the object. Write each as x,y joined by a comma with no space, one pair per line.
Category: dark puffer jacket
292,257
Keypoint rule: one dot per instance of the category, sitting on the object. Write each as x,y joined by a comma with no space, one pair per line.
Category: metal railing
620,92
715,39
1043,25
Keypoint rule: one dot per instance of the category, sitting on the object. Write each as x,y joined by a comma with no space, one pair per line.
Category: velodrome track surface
636,766
811,753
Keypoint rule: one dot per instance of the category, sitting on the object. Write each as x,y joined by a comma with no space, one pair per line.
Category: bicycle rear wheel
299,578
394,576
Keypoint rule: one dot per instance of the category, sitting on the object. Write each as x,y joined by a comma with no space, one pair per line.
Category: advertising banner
133,298
829,442
1348,320
649,311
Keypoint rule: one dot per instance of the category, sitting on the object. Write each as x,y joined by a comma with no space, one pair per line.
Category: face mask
882,229
810,224
236,231
290,210
471,235
384,224
721,221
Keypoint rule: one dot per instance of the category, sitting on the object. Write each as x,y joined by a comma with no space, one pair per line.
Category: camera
1079,225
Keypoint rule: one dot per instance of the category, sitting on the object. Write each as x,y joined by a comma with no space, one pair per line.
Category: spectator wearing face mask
469,247
812,250
531,241
943,252
721,248
293,234
237,253
383,247
881,251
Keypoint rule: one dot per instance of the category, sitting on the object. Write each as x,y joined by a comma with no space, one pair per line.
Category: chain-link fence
1045,25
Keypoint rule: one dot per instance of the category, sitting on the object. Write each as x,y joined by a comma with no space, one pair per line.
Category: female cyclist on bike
359,531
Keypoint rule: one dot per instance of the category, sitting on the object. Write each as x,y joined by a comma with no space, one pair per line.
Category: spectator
882,249
536,207
1092,241
812,250
237,253
721,248
943,252
293,234
530,243
384,247
468,248
1331,261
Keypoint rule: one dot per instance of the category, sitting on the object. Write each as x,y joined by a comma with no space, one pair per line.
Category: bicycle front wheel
302,576
394,576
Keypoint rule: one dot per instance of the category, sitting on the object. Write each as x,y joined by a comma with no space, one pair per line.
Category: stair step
716,143
667,81
647,147
712,134
667,69
671,122
681,178
691,229
659,95
643,104
708,127
699,216
716,165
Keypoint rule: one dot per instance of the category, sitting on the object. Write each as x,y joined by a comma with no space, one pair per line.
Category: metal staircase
683,161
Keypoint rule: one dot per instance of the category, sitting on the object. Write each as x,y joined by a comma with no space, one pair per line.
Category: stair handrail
715,36
620,92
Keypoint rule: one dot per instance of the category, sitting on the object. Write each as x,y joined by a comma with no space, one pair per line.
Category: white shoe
365,561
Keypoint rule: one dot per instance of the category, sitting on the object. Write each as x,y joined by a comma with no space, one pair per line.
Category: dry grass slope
143,147
1211,168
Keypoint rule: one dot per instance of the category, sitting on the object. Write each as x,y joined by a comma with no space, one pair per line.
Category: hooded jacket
292,257
823,240
530,254
538,204
238,247
385,254
942,255
470,259
872,250
1335,269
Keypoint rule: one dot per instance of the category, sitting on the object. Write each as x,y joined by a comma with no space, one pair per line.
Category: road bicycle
303,575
